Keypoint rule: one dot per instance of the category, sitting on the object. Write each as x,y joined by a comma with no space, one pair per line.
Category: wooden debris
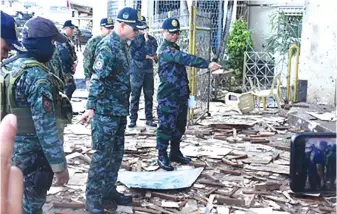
200,132
231,163
146,210
69,205
211,183
167,196
268,186
211,191
255,192
266,134
183,203
231,172
161,209
204,202
229,201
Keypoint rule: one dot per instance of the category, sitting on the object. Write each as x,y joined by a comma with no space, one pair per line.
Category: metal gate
195,39
258,66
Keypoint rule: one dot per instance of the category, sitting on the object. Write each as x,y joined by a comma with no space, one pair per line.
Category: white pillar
100,10
318,57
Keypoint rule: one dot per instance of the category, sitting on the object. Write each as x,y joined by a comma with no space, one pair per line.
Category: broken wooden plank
266,134
256,139
68,205
231,163
211,191
199,132
167,196
211,183
210,177
230,201
183,203
255,192
231,172
268,186
236,157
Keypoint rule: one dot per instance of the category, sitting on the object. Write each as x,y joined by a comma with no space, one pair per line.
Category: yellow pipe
194,77
289,72
190,50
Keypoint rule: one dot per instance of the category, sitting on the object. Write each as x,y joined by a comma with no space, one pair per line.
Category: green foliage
238,42
287,31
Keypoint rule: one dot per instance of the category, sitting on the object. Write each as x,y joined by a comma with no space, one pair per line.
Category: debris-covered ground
245,161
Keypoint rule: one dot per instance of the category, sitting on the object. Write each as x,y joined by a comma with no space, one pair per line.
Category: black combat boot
132,124
117,199
94,207
177,156
164,162
151,123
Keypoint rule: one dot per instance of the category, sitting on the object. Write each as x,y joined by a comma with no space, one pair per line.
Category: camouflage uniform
89,55
109,93
142,75
77,35
55,65
68,58
38,148
173,94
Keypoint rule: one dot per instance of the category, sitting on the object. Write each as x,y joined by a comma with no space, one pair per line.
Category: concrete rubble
245,160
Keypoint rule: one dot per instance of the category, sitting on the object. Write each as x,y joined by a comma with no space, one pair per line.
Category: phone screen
313,164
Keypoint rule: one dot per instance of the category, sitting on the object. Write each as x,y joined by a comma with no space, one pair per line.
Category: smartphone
313,163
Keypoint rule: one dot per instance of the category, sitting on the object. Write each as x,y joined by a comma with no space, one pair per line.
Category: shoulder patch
99,64
47,104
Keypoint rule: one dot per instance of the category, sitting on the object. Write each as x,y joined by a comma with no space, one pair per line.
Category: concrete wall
259,23
318,55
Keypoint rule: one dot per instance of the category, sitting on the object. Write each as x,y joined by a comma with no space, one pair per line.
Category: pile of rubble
243,160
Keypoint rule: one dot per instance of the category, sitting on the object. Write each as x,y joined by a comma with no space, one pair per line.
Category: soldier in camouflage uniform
77,35
55,65
143,53
68,58
108,105
33,96
89,52
173,93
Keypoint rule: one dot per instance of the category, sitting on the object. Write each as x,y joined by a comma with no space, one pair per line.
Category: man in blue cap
9,40
108,107
107,26
34,97
68,58
173,93
143,53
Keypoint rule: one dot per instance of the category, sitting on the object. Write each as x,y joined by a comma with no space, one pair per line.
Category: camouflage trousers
36,170
172,116
108,142
141,80
70,87
34,195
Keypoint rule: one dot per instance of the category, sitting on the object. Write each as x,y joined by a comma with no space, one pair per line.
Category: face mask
41,49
